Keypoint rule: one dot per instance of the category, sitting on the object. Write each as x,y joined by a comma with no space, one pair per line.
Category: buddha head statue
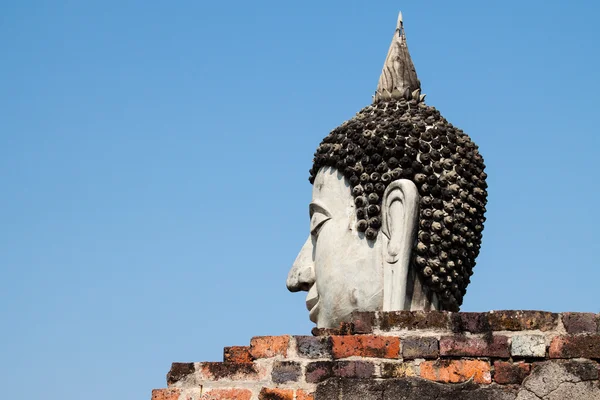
397,209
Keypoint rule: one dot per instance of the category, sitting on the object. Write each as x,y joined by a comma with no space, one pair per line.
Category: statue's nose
302,275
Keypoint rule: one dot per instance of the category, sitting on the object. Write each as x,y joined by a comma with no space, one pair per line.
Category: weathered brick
456,371
584,346
365,346
179,371
227,394
238,354
353,369
276,394
528,346
345,328
494,346
318,371
313,347
286,371
269,346
517,320
231,371
304,395
363,322
510,373
420,347
166,394
398,370
473,322
576,322
396,320
586,370
325,331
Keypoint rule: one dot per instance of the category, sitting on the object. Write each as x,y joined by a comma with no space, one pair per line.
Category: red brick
517,320
584,346
304,395
276,394
166,394
269,346
456,371
227,394
576,322
510,373
461,346
365,346
237,354
232,371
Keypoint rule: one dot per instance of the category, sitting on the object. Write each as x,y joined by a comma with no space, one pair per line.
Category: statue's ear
399,211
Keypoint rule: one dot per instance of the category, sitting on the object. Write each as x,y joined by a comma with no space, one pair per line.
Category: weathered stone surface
321,370
313,347
232,371
528,346
576,322
459,368
398,370
276,394
456,371
473,322
365,346
269,346
515,320
584,346
178,371
494,346
397,320
363,322
303,395
318,371
239,354
554,380
420,347
408,389
286,371
226,394
510,373
166,394
353,369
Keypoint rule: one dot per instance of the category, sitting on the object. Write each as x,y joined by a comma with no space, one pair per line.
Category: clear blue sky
154,160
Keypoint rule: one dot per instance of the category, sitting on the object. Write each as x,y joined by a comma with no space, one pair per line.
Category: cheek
338,254
347,269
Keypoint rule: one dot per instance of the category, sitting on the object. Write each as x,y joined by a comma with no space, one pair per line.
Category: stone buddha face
341,269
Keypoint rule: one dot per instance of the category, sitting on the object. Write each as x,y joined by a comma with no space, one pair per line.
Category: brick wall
495,355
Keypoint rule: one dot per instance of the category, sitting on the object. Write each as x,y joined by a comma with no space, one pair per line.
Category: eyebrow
316,207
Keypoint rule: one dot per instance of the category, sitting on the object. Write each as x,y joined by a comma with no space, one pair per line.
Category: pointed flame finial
398,77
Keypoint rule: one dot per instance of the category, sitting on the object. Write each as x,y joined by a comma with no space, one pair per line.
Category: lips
312,303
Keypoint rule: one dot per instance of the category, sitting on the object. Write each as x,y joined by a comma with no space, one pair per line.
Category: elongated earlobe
400,210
